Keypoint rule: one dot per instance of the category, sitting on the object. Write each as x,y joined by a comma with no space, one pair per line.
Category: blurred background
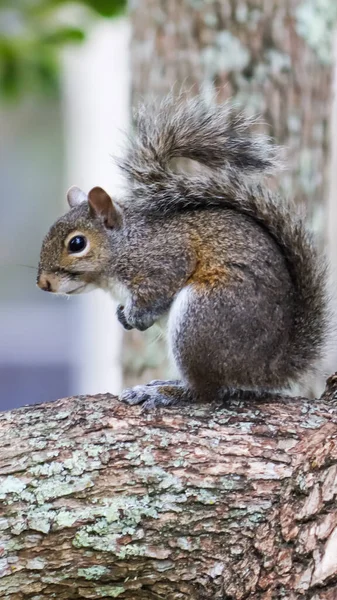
69,73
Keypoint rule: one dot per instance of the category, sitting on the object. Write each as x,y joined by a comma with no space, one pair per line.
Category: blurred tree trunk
274,57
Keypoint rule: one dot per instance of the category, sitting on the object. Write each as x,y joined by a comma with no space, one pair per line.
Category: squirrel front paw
122,318
132,317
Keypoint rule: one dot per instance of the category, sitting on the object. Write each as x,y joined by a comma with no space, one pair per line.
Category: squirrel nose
44,283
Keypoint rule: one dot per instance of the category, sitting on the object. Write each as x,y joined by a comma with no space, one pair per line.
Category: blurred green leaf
64,35
107,8
9,73
46,74
104,8
32,34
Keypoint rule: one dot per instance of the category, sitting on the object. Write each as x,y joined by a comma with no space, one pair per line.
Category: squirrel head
76,252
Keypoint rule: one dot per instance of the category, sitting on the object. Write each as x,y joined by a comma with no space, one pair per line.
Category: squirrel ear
76,196
101,205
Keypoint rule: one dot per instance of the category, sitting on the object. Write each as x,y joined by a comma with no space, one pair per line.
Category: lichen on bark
316,22
210,501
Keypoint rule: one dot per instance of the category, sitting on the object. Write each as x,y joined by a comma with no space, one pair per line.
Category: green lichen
170,502
122,516
67,518
236,551
241,12
56,487
98,537
132,550
95,416
188,544
40,523
161,478
198,4
179,462
92,573
79,462
278,62
133,452
93,450
210,20
237,513
252,103
203,496
65,444
56,479
85,539
261,73
37,444
4,524
132,507
109,591
315,23
256,518
36,564
18,527
147,457
11,486
62,415
255,16
313,422
41,457
47,469
228,482
227,54
27,496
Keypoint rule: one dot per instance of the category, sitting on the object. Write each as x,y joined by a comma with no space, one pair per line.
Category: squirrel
230,262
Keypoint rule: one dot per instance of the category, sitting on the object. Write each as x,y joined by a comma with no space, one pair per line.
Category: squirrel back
221,139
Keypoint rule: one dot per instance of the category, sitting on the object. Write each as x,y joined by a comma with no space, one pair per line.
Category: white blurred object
332,221
96,112
332,224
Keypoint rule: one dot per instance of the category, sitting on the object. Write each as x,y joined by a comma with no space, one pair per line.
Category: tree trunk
273,57
207,502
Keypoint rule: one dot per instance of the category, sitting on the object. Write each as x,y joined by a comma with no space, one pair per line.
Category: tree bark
274,58
207,502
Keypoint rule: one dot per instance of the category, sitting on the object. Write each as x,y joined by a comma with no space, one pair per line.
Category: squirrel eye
77,244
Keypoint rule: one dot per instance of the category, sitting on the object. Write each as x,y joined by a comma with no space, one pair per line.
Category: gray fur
221,139
253,307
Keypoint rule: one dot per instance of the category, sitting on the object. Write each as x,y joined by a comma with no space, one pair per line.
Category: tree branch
101,500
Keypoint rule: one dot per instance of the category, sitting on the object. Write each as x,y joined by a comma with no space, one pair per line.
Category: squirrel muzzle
61,284
47,282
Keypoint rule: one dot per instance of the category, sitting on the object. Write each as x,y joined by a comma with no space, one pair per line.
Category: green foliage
106,8
32,34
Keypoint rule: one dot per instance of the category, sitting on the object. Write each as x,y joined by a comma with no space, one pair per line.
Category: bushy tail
221,139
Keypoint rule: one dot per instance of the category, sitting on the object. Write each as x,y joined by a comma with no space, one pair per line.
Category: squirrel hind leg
230,337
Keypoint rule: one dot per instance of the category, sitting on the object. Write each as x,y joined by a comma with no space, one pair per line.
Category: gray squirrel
231,263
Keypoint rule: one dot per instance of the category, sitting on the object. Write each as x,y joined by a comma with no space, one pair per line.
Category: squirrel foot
155,394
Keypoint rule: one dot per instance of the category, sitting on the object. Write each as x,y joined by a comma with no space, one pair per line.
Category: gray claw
135,395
